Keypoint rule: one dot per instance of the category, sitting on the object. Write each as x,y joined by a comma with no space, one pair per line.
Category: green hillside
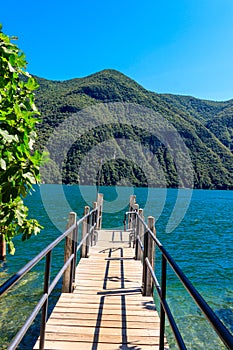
121,149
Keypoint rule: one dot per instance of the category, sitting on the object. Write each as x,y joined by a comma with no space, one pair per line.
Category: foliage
203,125
19,164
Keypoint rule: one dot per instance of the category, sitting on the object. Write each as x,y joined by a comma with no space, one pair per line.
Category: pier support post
67,283
85,248
149,251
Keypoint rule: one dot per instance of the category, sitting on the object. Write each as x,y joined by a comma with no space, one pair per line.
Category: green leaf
11,69
2,164
11,248
32,84
6,136
19,217
29,177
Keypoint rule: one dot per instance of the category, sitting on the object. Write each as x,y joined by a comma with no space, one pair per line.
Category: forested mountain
95,134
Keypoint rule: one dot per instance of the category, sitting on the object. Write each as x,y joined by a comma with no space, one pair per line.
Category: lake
199,236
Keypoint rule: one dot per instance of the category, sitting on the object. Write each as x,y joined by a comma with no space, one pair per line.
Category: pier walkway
106,309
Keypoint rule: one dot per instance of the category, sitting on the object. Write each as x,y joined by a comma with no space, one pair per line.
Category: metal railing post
45,306
144,270
149,250
163,298
69,247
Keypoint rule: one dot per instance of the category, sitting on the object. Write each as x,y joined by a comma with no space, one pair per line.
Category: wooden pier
107,299
106,310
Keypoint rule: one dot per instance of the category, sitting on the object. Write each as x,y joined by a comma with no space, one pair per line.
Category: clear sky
173,46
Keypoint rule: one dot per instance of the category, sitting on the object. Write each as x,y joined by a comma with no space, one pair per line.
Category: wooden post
84,250
139,234
141,231
88,240
134,224
74,248
132,202
149,251
94,217
2,247
68,275
100,210
136,243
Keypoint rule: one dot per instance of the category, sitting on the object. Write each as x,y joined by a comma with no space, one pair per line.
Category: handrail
215,322
91,220
24,270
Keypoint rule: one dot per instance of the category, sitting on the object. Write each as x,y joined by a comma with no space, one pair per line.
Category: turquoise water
202,244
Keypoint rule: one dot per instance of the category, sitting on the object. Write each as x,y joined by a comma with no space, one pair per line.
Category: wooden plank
105,317
131,332
63,345
108,304
116,323
111,299
109,312
102,338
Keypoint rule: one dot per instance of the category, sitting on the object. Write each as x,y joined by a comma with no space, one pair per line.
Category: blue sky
174,46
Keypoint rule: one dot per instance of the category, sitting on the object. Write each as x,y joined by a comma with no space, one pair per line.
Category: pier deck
106,311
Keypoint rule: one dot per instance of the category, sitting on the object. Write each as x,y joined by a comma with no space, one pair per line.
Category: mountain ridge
205,126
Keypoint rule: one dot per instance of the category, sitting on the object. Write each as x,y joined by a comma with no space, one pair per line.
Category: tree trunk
2,248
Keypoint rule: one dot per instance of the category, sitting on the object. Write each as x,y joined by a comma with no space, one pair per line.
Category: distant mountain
206,128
